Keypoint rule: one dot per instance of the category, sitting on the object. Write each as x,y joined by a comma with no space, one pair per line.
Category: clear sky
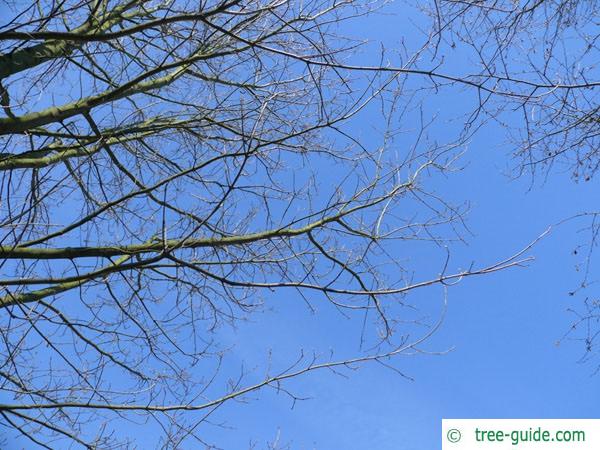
499,337
502,329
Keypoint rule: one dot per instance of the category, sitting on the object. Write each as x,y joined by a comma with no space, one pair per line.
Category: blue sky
502,330
499,337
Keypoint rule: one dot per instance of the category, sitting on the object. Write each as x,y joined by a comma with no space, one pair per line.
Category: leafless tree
539,61
538,58
169,167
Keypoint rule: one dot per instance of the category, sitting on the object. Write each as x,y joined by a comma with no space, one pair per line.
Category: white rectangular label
520,434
